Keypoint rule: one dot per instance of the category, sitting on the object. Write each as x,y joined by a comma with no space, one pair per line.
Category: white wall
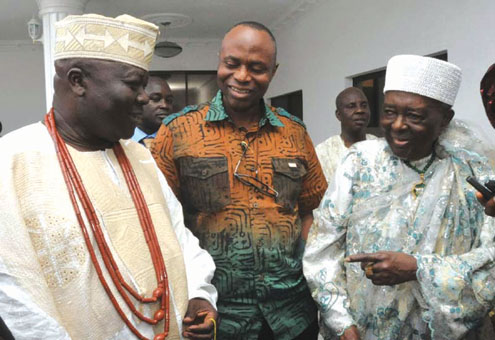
22,96
196,55
341,38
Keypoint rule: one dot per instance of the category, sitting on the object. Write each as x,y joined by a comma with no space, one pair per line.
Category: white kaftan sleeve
24,318
458,290
26,304
325,250
198,263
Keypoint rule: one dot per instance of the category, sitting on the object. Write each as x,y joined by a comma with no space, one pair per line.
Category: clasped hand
387,267
197,323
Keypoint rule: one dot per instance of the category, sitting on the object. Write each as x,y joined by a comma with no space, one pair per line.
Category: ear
337,114
76,79
447,117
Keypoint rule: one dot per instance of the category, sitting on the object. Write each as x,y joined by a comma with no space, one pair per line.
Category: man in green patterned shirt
248,178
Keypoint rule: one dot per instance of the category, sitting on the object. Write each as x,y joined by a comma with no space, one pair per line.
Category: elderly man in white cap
400,248
92,239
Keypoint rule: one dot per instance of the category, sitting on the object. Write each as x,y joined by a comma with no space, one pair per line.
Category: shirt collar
217,112
139,135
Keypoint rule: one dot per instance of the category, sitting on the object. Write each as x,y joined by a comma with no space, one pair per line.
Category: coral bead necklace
76,187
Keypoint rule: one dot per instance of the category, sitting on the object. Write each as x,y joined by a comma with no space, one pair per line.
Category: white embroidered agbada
48,285
369,207
331,152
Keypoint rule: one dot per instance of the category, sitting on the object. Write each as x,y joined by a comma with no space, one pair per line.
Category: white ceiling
210,18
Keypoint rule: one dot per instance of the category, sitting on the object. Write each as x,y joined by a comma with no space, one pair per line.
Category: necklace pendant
418,188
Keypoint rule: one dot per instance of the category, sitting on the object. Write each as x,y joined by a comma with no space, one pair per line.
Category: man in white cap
92,239
400,249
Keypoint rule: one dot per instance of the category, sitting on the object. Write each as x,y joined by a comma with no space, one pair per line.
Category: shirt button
255,205
204,172
261,277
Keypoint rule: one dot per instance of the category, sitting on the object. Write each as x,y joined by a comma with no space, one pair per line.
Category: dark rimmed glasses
252,181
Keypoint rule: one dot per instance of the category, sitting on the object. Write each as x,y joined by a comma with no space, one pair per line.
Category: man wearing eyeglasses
248,178
399,248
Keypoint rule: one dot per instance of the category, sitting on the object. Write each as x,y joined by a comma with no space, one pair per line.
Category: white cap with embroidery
429,77
124,39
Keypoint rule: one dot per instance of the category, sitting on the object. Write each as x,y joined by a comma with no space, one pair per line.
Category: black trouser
310,333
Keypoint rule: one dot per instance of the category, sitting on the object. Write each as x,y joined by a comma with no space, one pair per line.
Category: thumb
480,197
189,317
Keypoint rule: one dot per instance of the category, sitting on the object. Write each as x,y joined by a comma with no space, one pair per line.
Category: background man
92,240
160,106
401,207
353,112
248,178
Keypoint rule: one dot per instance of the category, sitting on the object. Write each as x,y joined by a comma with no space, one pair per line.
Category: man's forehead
157,84
129,71
349,95
411,99
353,93
102,64
246,36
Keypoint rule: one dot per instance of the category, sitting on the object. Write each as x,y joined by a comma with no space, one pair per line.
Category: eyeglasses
252,181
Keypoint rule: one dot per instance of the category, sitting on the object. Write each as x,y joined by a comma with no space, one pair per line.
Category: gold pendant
418,187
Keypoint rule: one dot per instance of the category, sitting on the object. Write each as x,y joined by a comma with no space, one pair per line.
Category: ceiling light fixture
165,48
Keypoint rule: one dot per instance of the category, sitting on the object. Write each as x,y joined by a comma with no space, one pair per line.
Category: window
372,85
291,102
189,87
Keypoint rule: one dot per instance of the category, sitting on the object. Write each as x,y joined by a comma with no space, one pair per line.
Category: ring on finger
368,269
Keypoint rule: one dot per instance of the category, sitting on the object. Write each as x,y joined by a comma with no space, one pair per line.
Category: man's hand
197,323
350,333
489,206
387,267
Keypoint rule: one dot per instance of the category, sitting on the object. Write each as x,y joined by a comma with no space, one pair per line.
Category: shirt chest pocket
204,183
288,174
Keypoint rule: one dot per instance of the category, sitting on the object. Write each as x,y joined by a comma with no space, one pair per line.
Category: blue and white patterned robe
370,207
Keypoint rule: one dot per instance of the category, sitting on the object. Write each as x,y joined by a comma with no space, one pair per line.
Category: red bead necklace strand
74,183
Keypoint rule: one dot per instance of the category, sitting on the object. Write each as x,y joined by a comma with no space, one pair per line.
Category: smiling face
412,123
160,105
352,110
113,100
246,67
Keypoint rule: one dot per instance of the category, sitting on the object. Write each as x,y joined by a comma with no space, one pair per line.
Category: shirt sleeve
314,184
198,263
323,264
162,150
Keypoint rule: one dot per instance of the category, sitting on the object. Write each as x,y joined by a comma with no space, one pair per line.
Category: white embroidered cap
429,77
124,39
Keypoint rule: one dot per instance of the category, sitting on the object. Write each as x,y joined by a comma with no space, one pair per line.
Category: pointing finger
373,257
